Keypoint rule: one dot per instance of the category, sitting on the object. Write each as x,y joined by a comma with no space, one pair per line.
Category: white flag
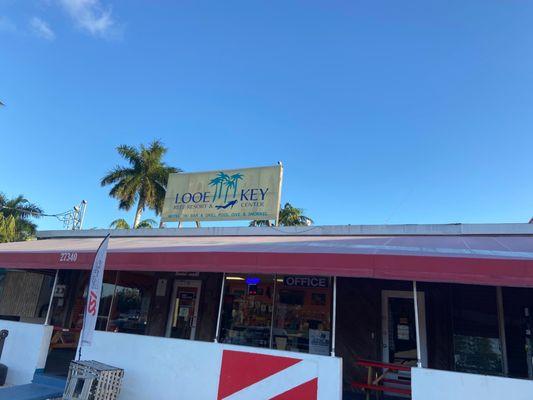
93,294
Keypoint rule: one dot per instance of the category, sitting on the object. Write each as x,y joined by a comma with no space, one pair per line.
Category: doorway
398,327
183,314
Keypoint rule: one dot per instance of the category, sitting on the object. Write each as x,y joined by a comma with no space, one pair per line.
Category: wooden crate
93,380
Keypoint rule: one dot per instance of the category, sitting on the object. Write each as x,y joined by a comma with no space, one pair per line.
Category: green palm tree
288,216
143,182
8,232
121,223
22,211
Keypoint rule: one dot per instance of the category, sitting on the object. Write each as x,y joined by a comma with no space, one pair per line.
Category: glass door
183,315
398,327
399,334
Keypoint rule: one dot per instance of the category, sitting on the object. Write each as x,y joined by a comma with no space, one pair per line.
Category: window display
247,310
302,314
282,312
129,312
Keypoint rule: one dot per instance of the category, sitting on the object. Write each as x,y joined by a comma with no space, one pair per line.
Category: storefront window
477,344
129,313
283,312
302,314
247,310
25,296
108,289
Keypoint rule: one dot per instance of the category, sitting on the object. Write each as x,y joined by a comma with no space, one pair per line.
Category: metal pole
417,327
217,332
82,212
501,328
272,314
334,317
279,191
112,302
49,311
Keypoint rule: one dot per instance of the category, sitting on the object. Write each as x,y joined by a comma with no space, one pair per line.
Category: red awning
505,260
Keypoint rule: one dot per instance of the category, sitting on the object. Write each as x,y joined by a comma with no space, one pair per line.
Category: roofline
326,230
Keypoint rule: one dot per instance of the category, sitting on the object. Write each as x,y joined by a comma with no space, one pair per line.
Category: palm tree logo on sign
227,184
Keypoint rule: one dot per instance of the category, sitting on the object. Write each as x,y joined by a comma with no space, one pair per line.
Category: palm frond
148,223
119,223
116,174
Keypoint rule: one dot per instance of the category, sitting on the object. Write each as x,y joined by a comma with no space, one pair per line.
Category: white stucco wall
445,385
162,368
25,350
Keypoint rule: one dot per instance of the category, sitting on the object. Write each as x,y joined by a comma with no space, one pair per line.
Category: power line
72,219
34,213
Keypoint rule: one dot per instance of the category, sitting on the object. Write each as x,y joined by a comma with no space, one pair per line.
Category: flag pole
94,291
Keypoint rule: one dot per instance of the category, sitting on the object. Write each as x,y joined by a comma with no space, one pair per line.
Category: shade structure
505,260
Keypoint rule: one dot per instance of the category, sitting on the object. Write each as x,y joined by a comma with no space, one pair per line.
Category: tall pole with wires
72,219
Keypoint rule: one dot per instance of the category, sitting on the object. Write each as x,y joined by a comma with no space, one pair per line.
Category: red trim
485,271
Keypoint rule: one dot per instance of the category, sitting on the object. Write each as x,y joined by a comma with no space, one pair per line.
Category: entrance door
183,313
398,327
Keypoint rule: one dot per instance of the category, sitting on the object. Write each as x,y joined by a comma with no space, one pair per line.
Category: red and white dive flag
93,294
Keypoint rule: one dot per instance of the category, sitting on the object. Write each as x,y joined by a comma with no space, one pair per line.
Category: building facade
328,298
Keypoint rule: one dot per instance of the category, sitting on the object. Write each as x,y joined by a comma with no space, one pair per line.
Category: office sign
306,281
240,194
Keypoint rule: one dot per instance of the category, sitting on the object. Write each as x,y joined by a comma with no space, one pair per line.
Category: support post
417,327
49,311
272,314
217,332
334,317
501,329
112,302
83,208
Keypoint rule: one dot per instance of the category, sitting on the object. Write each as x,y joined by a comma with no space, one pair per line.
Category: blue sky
381,111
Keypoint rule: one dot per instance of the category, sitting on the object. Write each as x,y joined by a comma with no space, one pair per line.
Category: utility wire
34,213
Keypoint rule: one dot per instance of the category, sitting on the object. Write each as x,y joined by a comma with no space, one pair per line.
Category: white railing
445,385
25,350
163,368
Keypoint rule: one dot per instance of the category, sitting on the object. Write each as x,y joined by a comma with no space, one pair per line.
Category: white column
112,302
272,314
217,332
49,311
417,327
334,317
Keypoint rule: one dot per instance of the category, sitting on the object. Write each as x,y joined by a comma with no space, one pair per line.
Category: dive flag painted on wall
93,294
246,375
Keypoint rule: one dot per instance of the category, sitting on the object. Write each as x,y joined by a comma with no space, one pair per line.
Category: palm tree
288,216
235,179
143,182
8,232
22,211
229,184
218,182
148,223
121,223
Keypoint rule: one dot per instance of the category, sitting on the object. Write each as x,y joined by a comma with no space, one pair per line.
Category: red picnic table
378,383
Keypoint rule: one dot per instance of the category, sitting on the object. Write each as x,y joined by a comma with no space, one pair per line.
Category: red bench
377,384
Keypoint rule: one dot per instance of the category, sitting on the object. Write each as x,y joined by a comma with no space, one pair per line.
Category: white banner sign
93,294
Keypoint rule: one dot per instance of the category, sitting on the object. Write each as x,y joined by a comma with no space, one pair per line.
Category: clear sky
381,111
